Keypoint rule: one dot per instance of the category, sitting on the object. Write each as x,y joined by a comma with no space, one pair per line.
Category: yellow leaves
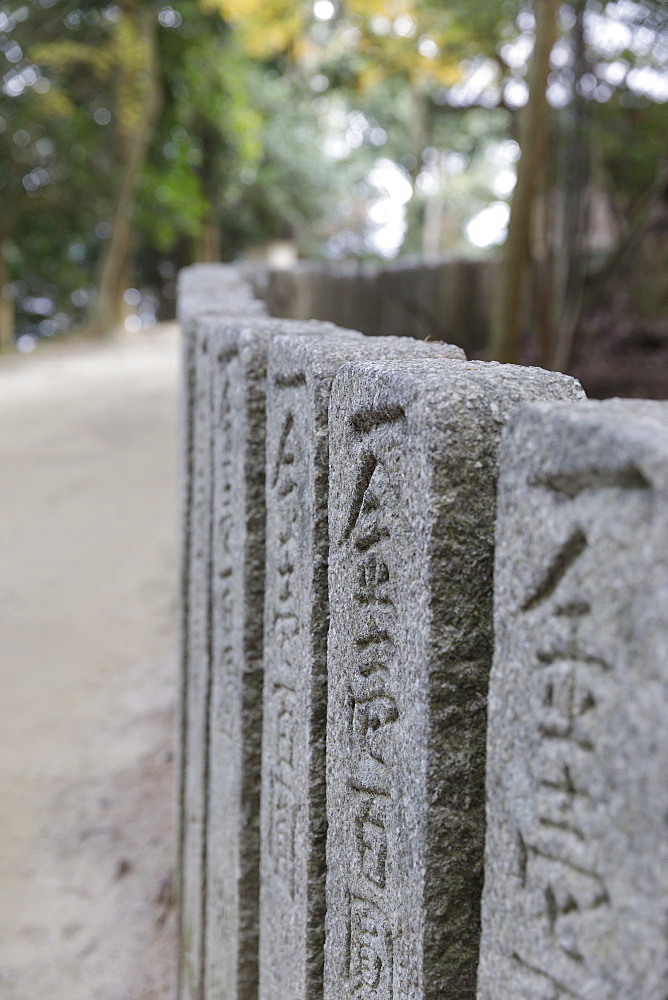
130,55
391,57
267,28
128,49
370,76
275,39
123,57
233,11
446,74
379,8
305,51
389,33
65,55
57,104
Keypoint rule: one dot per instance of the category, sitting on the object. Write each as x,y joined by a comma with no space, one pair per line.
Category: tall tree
137,103
507,325
575,155
107,72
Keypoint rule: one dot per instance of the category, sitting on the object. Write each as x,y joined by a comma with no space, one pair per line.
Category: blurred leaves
271,117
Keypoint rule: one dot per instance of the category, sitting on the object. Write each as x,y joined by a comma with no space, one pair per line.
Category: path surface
87,670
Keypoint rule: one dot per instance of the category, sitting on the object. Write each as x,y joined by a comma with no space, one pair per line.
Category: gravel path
87,670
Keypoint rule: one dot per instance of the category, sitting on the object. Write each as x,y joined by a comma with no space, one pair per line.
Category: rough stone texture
293,823
576,882
225,281
204,291
413,464
213,291
224,699
194,624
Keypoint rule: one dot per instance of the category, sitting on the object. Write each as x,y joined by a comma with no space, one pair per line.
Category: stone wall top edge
194,310
195,275
269,325
351,348
611,434
624,412
429,372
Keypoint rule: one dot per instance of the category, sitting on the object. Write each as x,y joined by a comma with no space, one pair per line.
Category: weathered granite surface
195,624
576,885
225,282
204,291
232,731
293,815
413,466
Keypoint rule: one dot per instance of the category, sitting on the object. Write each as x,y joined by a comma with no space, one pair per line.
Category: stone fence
424,671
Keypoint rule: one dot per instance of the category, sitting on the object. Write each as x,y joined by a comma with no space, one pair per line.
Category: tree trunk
507,323
207,244
575,183
107,312
433,218
6,303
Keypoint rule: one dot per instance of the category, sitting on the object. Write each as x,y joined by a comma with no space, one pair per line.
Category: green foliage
272,119
207,132
630,143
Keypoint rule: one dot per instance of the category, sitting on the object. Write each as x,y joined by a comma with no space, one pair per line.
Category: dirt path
87,670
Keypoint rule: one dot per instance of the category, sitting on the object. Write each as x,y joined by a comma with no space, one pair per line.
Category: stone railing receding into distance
424,670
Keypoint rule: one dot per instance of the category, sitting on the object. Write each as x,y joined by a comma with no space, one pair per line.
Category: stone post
205,292
293,816
413,467
576,857
224,738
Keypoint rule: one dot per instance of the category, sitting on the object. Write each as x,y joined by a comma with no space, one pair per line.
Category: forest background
139,137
